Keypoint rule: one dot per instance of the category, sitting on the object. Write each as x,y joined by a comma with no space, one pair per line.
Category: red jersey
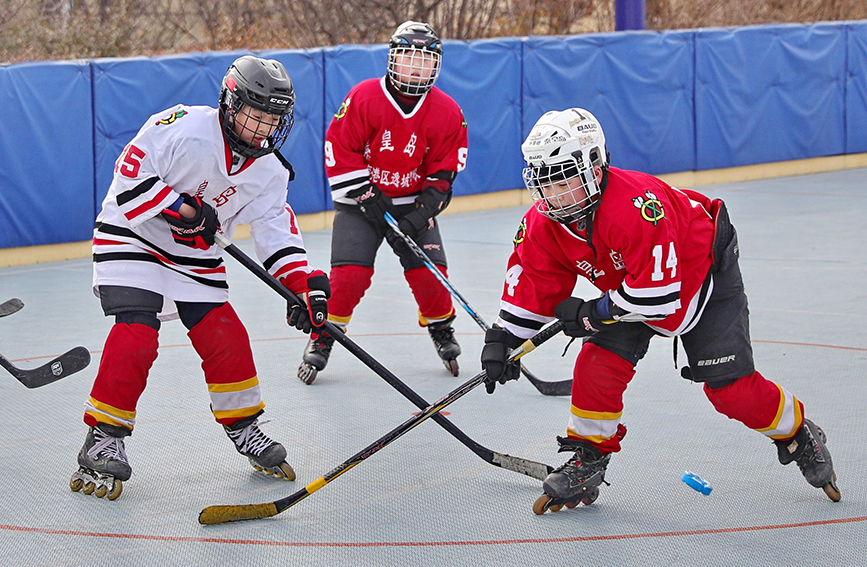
652,255
372,140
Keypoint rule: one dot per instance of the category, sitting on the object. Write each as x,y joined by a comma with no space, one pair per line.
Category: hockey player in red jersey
666,262
188,173
395,145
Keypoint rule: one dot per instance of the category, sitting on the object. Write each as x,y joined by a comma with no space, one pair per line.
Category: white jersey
183,150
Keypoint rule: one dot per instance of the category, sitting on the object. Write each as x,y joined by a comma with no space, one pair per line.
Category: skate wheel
288,472
75,483
591,497
101,491
571,505
452,366
555,507
89,487
831,489
541,504
116,489
307,373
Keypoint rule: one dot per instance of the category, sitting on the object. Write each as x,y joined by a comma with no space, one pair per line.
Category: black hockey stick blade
563,388
232,513
516,464
9,307
61,367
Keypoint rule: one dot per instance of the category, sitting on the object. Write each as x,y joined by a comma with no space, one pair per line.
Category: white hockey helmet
561,152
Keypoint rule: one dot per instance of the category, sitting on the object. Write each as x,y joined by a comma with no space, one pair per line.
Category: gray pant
355,240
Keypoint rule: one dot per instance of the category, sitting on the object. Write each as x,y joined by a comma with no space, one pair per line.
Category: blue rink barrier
669,101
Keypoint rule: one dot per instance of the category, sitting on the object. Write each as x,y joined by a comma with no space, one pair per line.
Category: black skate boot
102,461
576,481
315,357
808,449
448,349
265,454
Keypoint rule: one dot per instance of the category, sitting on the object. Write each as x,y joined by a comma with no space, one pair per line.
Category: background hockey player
395,145
666,262
189,171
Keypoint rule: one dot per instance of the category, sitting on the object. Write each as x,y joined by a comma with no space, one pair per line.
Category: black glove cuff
499,335
320,282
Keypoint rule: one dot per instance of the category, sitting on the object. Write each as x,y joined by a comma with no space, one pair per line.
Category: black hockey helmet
421,42
262,84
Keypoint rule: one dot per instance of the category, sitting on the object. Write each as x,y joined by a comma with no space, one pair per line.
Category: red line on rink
434,543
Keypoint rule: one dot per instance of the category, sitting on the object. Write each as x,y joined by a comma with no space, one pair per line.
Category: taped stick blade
235,513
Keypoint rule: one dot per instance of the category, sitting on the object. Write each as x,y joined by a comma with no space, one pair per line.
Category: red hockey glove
428,204
198,231
580,317
495,355
314,315
373,202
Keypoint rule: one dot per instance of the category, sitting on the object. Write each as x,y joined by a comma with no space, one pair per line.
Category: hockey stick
61,367
9,307
524,466
561,388
232,513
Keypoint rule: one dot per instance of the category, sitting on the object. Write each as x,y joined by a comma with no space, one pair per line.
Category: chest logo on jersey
522,231
223,197
650,207
170,119
341,112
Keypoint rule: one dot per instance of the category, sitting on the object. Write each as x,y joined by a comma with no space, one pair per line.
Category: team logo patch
650,207
522,231
343,108
171,117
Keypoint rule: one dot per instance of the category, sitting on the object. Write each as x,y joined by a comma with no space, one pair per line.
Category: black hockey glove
428,204
579,316
314,315
198,231
495,355
373,202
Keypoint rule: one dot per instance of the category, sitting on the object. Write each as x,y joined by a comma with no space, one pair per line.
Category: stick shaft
516,464
222,514
562,388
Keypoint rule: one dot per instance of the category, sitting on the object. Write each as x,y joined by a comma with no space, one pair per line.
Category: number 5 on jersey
129,162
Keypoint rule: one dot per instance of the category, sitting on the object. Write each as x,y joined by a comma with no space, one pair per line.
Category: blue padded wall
856,89
668,101
639,85
309,192
484,78
769,93
46,153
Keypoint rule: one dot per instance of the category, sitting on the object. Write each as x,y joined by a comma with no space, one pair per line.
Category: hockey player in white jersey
188,173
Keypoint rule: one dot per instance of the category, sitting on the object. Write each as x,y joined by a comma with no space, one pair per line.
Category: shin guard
130,351
348,284
433,299
599,380
222,343
759,404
